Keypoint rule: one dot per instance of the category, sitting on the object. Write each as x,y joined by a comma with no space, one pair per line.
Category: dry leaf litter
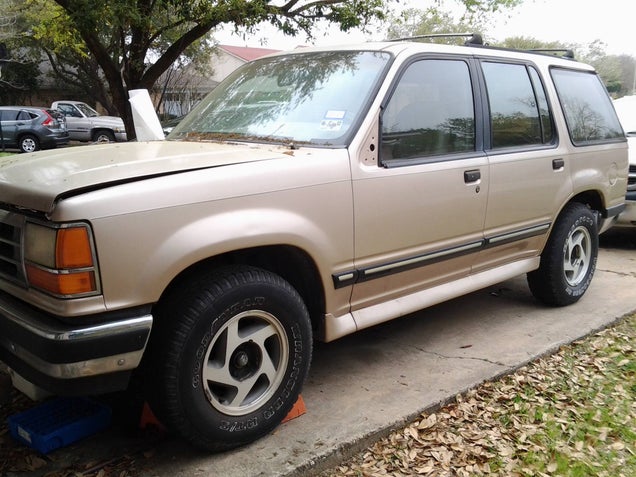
571,413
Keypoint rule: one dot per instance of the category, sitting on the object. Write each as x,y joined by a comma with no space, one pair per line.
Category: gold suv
310,195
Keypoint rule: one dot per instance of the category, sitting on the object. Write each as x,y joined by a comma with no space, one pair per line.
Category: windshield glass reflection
309,98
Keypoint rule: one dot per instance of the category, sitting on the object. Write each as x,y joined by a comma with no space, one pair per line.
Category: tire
231,354
103,136
29,143
569,258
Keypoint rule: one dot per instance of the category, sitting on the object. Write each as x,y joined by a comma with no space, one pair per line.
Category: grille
631,179
11,268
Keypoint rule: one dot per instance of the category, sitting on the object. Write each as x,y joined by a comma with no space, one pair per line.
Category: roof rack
473,38
565,52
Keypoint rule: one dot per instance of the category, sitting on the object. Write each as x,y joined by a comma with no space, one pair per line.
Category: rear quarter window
587,107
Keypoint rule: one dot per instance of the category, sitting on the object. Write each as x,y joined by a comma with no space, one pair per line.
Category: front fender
140,259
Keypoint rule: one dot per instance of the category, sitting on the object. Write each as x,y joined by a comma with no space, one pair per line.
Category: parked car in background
169,124
86,124
626,110
31,128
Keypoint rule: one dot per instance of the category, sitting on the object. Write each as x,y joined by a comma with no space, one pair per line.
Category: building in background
178,91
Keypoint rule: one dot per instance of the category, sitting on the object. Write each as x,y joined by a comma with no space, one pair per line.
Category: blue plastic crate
58,423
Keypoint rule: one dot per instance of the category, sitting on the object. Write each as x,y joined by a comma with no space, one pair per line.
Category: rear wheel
569,258
29,143
230,356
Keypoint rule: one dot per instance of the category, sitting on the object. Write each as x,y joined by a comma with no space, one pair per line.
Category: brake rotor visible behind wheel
231,353
569,258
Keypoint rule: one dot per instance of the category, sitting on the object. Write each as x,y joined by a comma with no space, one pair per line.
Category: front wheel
230,356
103,136
569,258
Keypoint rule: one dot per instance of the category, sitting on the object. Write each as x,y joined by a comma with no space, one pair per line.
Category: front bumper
66,359
121,137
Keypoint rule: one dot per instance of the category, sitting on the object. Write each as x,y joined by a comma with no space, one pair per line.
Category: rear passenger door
419,215
529,178
9,126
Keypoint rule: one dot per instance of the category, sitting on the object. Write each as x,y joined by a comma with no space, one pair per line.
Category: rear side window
587,107
430,112
519,114
26,116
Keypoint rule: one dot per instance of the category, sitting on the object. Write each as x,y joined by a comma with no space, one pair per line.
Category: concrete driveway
364,385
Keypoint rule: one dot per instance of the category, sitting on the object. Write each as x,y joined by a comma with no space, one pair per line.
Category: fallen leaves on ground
569,414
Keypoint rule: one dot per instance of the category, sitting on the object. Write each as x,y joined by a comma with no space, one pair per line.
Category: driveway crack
470,358
615,272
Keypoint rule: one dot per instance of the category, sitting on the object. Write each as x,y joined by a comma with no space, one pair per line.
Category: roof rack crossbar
473,38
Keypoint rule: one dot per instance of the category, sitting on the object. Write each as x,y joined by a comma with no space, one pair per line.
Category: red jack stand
298,410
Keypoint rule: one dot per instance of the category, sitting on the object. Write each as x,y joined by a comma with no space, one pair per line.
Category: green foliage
617,71
435,20
529,43
479,7
414,22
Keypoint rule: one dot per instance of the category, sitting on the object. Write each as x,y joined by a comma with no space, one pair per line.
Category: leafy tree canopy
432,21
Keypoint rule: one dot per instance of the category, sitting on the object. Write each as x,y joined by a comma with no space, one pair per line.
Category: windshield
308,98
86,110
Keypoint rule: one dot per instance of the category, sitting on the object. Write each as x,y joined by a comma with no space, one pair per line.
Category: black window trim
555,135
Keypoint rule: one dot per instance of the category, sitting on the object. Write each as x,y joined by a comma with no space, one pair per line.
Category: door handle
472,176
558,164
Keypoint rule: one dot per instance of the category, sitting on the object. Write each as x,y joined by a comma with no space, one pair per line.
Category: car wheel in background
103,136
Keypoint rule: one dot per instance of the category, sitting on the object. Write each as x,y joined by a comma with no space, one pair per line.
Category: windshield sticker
330,125
333,120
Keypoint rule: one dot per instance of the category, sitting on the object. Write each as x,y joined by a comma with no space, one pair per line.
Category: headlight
60,261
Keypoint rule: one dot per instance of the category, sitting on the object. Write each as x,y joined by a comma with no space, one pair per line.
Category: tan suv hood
36,181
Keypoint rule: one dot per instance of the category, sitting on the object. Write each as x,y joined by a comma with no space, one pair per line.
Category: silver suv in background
310,195
85,124
31,128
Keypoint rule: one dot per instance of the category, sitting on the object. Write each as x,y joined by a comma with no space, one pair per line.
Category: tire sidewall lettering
291,381
238,426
